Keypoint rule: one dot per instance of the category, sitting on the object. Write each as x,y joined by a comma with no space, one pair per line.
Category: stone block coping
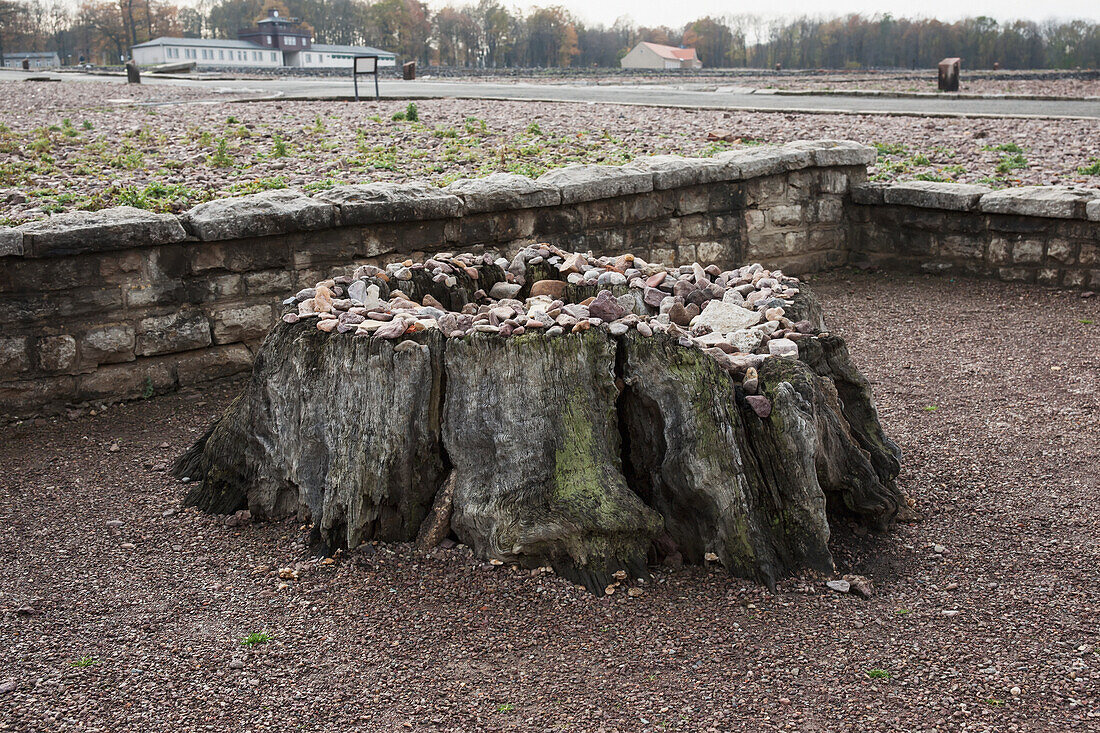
1052,202
286,210
935,195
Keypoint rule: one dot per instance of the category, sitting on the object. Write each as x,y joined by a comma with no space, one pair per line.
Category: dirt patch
993,593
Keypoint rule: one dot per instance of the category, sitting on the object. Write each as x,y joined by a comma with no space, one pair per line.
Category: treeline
491,35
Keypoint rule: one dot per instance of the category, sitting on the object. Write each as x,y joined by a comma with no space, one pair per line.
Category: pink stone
656,279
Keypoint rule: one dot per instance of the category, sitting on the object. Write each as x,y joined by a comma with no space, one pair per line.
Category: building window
273,56
221,55
268,38
309,58
291,41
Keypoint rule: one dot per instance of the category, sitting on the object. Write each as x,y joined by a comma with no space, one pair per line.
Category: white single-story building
205,52
211,52
648,55
329,56
34,59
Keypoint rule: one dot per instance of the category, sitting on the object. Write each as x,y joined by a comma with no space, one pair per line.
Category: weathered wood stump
622,413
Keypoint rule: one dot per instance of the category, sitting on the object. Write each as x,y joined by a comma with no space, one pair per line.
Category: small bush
220,158
411,113
278,146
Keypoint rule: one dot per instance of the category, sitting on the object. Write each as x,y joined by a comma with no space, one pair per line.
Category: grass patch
1012,162
1004,148
83,662
878,674
1092,169
254,639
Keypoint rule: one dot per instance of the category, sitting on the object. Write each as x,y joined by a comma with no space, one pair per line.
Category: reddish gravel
170,148
1006,470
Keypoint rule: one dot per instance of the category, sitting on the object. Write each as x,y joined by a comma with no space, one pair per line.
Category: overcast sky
676,13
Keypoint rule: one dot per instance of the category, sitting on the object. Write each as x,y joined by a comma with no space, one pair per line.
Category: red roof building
648,55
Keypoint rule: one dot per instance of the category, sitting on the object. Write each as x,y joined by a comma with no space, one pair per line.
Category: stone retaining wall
124,303
1041,234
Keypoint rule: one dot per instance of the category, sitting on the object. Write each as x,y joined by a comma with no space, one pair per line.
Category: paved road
696,96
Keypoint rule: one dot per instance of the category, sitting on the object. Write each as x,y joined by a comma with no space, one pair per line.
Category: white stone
725,317
732,297
783,348
366,295
746,340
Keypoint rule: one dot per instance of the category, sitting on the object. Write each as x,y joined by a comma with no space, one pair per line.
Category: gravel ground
986,615
81,146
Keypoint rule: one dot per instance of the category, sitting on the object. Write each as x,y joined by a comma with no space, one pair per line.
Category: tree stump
623,413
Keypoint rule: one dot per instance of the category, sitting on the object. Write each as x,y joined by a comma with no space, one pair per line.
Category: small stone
950,612
392,329
611,278
552,288
574,263
725,317
860,586
840,586
678,314
939,549
644,329
633,592
8,686
502,290
114,523
783,348
1015,692
952,586
606,307
761,405
288,574
618,328
495,562
656,279
751,384
236,664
